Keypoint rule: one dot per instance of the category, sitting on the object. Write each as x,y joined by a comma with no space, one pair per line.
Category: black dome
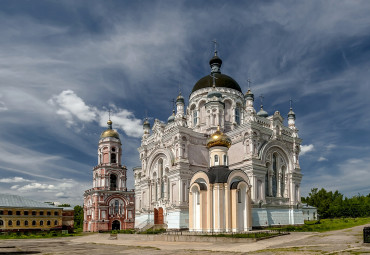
222,80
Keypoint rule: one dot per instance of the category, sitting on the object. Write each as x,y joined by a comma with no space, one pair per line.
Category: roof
7,200
221,80
218,174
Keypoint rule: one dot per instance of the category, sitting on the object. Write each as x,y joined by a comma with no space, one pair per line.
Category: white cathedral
262,151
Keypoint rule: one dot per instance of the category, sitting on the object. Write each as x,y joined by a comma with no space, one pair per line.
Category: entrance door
116,225
160,215
155,216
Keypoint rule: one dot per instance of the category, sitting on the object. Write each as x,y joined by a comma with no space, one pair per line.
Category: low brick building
21,214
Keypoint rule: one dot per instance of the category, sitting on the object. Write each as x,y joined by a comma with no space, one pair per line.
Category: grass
31,235
153,232
249,235
326,225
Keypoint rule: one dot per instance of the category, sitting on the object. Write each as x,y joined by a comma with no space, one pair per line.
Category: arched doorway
116,225
158,216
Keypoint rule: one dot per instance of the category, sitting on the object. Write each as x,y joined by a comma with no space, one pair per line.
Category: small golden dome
109,132
218,139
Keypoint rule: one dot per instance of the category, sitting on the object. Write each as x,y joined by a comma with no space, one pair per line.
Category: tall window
33,223
41,223
26,222
55,223
216,160
113,182
225,160
116,206
282,181
1,223
274,176
162,188
10,223
237,115
113,158
195,117
18,222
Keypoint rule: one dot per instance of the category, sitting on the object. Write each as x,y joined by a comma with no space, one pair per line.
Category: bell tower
109,205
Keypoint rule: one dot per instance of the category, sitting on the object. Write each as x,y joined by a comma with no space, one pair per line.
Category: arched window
1,223
282,181
10,223
55,223
274,176
18,223
116,206
48,223
113,158
33,223
237,115
160,168
195,117
41,223
216,160
225,160
26,222
113,182
267,180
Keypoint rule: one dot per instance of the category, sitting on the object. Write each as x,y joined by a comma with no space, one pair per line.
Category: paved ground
348,241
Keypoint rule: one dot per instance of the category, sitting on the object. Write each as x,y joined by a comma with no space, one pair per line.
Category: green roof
7,200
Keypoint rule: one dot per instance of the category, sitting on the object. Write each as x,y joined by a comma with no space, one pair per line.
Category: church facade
108,205
262,148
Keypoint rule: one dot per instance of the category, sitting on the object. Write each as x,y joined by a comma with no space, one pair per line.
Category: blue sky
63,64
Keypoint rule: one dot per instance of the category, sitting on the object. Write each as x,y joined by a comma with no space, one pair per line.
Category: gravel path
347,241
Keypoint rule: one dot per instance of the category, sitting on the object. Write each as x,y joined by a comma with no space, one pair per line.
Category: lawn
30,235
326,225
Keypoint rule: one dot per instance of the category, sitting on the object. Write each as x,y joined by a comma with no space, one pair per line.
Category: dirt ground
347,241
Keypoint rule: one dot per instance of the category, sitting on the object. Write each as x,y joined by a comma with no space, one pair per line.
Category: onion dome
180,98
221,80
249,94
262,113
109,132
215,60
291,114
218,139
146,123
172,117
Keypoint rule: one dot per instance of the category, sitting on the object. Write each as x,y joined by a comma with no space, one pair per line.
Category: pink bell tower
109,205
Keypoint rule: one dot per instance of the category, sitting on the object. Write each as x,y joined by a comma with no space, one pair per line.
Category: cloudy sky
63,64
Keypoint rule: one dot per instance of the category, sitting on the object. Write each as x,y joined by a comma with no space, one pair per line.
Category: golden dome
218,139
109,132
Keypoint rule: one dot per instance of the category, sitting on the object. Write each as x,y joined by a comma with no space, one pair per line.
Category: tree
64,205
78,217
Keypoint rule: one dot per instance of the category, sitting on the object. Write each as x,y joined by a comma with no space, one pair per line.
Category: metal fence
366,234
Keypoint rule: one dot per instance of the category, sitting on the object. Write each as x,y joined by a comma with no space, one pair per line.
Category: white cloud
71,107
306,148
351,177
14,179
322,159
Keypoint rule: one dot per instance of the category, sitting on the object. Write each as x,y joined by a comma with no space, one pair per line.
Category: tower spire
215,46
215,61
109,122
